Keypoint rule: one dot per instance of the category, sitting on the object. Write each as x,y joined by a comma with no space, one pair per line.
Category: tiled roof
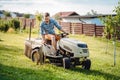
67,14
74,15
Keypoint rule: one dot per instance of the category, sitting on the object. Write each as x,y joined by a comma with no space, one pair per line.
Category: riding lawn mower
70,52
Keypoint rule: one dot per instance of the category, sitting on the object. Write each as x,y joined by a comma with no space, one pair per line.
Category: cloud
90,2
53,6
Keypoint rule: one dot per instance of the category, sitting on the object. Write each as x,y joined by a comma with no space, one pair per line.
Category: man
47,29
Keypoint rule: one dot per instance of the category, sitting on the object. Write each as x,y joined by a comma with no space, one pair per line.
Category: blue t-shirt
49,28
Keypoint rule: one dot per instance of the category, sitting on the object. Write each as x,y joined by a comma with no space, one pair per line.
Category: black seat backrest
48,42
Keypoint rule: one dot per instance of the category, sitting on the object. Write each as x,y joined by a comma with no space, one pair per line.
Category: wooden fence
73,28
79,28
25,22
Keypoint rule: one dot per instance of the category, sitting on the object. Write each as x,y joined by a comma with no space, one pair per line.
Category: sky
54,6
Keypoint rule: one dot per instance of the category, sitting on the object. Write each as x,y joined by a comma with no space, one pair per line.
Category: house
74,17
2,15
32,16
13,15
16,14
94,19
68,17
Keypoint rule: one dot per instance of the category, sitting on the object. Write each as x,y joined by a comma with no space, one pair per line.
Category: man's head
47,17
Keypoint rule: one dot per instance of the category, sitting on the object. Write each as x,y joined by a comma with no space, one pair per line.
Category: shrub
3,26
6,27
16,24
6,24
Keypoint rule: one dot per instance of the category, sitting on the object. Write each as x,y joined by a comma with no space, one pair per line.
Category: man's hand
43,41
63,30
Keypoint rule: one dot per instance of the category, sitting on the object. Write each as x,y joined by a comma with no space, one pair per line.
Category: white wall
96,21
71,19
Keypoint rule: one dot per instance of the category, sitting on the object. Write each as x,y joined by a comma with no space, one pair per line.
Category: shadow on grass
14,73
1,40
106,76
13,50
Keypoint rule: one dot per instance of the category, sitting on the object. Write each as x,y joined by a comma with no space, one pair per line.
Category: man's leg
53,40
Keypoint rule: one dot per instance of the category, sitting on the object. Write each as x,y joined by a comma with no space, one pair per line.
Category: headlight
85,50
82,45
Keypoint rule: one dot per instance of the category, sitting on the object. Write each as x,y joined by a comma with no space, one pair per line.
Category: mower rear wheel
35,56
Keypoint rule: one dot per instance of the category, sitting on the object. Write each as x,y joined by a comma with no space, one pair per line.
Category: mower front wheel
86,64
66,63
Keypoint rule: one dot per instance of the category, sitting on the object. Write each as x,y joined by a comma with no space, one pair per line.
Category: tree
16,24
88,13
108,29
7,14
92,12
26,15
112,27
117,20
57,17
112,24
38,18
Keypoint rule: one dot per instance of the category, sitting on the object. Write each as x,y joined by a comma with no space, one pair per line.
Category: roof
89,16
73,14
96,16
67,14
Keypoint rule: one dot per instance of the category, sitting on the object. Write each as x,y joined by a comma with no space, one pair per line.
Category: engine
73,47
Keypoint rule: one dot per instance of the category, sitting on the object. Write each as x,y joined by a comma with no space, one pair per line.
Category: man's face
47,19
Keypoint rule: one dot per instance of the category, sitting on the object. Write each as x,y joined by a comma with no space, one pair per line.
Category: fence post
70,28
73,28
30,30
95,30
82,28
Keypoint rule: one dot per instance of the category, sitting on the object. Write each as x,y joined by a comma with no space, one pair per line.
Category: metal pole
115,44
114,53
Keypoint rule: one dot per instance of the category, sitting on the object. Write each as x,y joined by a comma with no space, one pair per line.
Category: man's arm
62,30
59,27
42,33
43,38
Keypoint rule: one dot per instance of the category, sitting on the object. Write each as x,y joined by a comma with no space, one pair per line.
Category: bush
6,24
6,27
3,26
16,24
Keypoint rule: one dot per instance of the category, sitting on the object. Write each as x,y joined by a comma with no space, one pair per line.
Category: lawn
15,66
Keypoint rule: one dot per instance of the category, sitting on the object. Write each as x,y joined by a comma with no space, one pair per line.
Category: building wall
2,16
13,15
96,21
76,19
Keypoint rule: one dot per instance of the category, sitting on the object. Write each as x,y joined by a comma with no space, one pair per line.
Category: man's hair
47,14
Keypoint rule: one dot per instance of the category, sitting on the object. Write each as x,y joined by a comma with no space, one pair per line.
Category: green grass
15,66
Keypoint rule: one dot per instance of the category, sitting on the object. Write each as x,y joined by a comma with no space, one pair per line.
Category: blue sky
54,6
